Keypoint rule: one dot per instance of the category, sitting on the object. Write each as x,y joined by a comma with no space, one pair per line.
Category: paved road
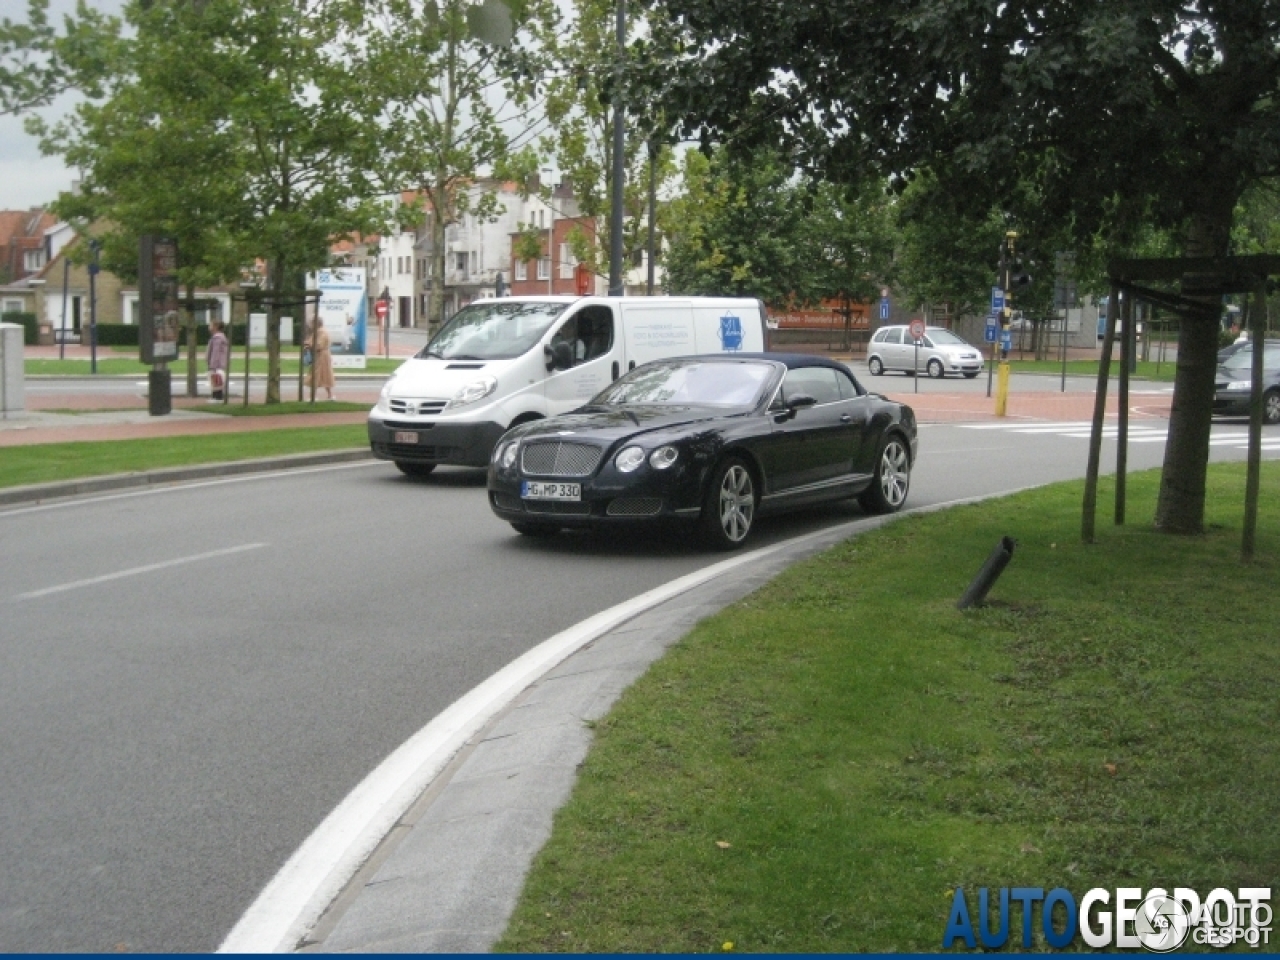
192,678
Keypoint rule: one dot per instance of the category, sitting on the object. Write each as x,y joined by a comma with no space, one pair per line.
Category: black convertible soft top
793,361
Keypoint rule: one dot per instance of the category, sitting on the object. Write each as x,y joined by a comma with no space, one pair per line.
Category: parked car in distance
713,440
1240,346
1234,382
941,352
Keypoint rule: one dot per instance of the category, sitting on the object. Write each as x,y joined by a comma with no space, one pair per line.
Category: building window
544,268
567,263
462,263
13,306
33,260
522,270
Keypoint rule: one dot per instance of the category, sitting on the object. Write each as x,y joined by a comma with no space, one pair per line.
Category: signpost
916,331
382,308
158,317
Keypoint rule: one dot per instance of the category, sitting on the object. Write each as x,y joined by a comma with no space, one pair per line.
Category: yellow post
1002,387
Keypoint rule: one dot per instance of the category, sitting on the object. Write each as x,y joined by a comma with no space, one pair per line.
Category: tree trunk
1180,507
278,275
435,299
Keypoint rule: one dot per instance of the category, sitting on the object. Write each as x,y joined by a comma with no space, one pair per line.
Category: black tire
935,369
892,478
410,469
1271,406
875,366
530,528
729,506
970,376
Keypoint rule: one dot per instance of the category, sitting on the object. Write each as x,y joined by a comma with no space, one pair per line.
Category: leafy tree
748,225
233,126
449,86
39,62
579,92
1147,113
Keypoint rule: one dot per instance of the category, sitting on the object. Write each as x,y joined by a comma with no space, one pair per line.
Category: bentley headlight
629,459
1240,385
476,390
506,456
663,457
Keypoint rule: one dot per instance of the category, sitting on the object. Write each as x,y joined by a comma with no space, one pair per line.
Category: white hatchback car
941,352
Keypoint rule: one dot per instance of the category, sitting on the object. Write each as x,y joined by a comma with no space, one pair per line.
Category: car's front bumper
459,444
607,499
1231,403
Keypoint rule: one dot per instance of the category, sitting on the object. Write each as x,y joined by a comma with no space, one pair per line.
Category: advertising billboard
343,311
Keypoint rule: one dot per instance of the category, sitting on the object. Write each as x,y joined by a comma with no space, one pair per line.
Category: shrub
30,327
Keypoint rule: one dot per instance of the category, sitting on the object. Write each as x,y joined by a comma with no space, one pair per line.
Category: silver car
940,352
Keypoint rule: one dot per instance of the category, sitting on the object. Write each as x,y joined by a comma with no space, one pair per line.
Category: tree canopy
1122,116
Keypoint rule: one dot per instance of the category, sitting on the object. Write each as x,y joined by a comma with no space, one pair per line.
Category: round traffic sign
381,308
917,329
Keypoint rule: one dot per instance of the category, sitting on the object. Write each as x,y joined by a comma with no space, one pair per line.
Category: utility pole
616,287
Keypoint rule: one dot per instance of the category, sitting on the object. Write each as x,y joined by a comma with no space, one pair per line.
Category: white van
501,362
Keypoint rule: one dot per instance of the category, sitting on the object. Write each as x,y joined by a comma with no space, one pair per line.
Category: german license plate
536,490
406,436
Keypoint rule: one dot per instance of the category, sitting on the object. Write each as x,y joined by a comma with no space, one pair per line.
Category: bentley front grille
560,459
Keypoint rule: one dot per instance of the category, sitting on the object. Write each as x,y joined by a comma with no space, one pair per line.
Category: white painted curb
293,901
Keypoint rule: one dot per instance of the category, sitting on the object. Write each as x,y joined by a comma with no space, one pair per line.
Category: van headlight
629,459
476,390
663,457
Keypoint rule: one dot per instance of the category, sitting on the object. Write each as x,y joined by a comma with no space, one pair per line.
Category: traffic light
1018,276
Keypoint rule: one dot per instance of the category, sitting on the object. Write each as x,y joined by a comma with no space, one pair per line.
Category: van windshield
685,381
493,331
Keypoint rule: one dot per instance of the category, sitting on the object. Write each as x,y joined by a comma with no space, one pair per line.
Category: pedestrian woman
317,343
217,357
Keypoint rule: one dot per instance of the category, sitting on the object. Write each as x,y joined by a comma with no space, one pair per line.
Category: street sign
380,308
884,308
997,299
991,331
1006,340
917,329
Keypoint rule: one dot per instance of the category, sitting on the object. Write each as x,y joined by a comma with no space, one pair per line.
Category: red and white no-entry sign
380,308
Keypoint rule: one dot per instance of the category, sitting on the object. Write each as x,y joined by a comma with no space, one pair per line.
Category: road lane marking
137,571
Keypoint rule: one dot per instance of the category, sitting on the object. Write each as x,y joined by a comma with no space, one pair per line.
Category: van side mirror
559,355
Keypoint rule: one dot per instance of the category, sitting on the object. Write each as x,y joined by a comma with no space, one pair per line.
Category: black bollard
159,392
988,575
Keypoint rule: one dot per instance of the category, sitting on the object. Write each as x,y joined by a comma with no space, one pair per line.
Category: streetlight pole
619,166
95,247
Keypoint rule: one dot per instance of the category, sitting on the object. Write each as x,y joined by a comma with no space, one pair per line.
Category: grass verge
48,462
236,407
818,767
1146,370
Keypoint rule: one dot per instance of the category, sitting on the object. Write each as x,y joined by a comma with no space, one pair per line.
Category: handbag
306,357
217,379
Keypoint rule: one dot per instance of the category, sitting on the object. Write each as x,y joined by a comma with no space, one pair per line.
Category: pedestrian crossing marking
1083,429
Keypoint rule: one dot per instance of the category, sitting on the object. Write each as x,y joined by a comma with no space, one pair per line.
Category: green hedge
30,327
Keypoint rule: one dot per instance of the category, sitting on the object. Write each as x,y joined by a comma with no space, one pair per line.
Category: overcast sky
26,178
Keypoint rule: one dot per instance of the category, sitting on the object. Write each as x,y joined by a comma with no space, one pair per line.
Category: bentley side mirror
559,355
797,402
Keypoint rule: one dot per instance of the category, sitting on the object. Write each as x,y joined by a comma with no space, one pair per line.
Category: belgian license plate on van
406,436
536,490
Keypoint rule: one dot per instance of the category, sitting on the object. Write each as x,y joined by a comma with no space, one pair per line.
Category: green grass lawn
1146,370
131,366
46,462
820,766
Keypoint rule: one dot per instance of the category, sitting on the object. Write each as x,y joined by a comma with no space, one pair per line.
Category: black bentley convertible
715,440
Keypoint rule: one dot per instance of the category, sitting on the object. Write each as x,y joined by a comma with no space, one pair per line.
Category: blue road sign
1006,340
997,299
989,334
884,308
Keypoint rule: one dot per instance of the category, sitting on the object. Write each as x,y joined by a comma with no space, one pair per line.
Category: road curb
38,492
